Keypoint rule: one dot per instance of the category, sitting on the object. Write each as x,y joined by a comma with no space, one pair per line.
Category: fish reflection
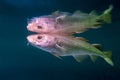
54,34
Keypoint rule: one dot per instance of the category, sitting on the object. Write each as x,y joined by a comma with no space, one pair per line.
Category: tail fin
106,16
107,58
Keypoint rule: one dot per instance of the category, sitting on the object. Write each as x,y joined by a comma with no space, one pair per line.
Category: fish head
41,24
42,41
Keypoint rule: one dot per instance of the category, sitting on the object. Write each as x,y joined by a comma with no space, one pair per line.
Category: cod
54,34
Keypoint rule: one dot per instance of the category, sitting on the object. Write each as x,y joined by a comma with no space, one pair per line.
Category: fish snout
29,39
30,27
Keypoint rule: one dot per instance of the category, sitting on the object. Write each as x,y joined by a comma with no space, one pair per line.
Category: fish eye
39,37
39,27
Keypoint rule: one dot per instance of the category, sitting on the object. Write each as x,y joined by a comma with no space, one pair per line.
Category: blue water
21,62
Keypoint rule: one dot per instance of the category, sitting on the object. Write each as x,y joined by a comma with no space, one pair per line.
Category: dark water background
21,62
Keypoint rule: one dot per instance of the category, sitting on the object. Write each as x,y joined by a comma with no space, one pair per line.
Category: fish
61,46
54,33
69,23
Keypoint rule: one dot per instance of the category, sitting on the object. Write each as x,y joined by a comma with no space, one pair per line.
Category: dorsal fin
56,13
81,38
98,46
77,12
94,12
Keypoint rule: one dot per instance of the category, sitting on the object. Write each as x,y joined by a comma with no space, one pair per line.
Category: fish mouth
31,32
32,44
31,41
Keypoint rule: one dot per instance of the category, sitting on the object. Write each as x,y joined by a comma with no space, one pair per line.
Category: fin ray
98,46
107,57
79,58
56,54
93,58
81,38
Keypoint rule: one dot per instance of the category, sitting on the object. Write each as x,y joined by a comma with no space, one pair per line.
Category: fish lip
37,46
32,44
29,36
27,27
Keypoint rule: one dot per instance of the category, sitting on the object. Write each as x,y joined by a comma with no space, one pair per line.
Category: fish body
69,23
66,46
54,34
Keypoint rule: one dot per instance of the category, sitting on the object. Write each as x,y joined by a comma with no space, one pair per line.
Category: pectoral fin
79,58
60,45
60,18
